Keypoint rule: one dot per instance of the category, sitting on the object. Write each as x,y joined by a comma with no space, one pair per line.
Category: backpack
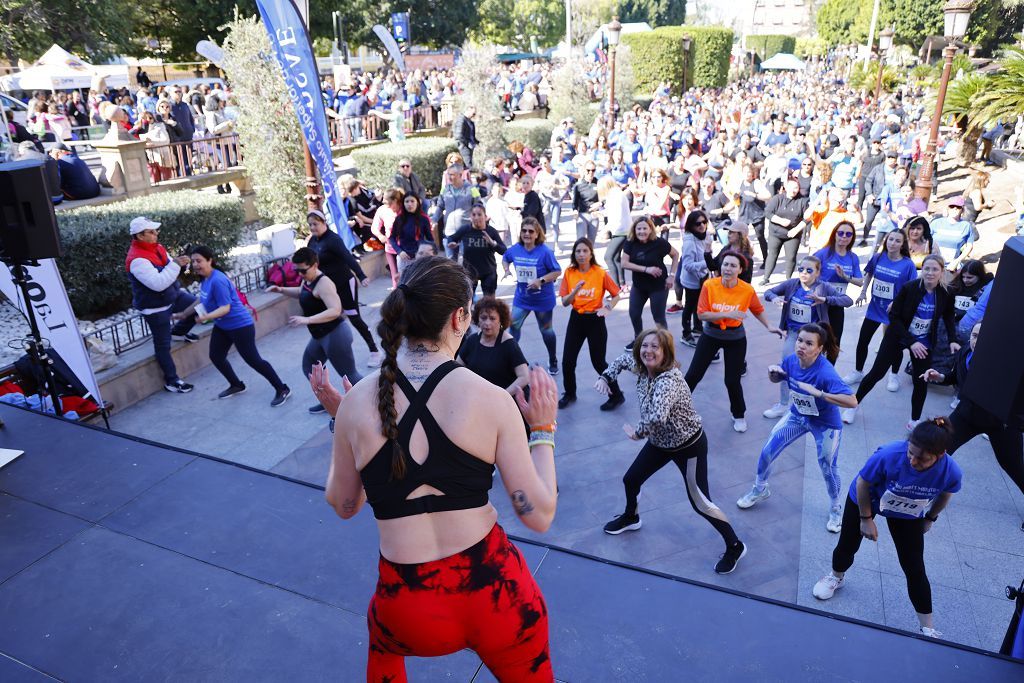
284,275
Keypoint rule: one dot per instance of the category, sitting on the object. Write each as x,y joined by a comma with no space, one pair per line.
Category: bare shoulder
360,401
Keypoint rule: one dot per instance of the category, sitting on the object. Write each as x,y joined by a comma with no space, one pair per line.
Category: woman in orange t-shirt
723,305
584,287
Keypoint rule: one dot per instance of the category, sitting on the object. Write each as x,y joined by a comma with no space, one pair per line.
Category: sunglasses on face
700,222
803,269
302,271
844,234
528,231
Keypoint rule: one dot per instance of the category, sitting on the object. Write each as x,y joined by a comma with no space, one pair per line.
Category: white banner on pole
56,319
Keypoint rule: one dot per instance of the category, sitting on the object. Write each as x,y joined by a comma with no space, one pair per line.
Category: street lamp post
884,43
614,30
957,14
687,41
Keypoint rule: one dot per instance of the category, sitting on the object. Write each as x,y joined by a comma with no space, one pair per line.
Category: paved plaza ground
975,550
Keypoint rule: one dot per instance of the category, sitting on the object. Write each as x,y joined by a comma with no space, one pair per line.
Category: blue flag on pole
294,53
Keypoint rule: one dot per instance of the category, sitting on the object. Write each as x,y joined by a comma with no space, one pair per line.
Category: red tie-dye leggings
483,598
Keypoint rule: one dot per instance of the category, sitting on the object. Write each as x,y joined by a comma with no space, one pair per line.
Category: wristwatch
930,517
330,425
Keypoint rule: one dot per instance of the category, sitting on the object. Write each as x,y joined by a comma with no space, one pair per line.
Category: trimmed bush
534,133
768,45
96,241
378,164
658,56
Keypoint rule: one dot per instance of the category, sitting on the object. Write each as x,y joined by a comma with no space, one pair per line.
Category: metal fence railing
353,129
193,157
133,331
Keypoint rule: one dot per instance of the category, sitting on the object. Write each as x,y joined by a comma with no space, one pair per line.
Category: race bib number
881,289
839,288
912,507
804,404
920,326
799,313
526,274
963,303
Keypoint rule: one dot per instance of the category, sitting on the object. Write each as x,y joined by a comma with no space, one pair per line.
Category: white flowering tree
267,126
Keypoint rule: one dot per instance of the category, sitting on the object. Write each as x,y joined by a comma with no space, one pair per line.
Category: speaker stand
34,346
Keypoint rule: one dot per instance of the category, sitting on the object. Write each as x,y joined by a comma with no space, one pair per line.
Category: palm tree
961,95
1003,96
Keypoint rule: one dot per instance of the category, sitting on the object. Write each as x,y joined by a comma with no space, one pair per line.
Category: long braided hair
431,288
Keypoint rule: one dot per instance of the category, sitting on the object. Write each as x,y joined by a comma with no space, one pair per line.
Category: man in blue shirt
76,180
953,235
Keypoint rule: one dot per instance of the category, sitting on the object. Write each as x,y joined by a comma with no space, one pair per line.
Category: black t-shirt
646,254
337,263
805,184
678,182
712,204
790,211
497,364
477,254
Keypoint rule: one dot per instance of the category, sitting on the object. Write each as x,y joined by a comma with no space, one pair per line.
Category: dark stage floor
125,560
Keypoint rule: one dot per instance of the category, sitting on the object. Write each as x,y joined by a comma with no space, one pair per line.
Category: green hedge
768,45
378,164
534,133
96,241
658,56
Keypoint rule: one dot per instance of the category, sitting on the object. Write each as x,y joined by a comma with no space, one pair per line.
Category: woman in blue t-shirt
232,326
888,270
536,269
803,299
840,268
909,483
914,319
817,393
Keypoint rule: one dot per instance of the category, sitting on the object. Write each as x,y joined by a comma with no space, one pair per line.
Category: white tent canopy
58,69
783,61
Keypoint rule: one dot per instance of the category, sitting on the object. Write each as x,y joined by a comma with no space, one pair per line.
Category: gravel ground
14,326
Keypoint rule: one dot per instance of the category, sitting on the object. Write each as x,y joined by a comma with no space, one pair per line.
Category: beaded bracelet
540,434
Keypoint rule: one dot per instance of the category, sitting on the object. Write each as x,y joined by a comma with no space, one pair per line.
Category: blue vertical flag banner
294,53
400,27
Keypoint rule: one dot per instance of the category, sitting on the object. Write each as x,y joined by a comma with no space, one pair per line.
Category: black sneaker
629,346
614,401
281,396
553,368
730,558
178,387
744,373
688,340
717,358
566,400
317,409
232,390
622,523
188,337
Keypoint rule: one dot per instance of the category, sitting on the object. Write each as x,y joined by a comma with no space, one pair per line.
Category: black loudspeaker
28,226
996,378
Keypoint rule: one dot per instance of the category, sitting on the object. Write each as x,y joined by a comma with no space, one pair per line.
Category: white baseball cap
141,224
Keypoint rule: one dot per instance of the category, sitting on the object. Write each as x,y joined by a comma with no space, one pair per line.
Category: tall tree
93,30
835,19
654,12
514,23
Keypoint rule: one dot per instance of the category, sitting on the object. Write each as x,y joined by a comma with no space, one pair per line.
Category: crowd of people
693,197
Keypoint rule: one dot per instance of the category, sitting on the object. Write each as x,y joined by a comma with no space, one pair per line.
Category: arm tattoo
521,503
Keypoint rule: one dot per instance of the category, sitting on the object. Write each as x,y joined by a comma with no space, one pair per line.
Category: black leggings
777,245
587,328
762,242
867,331
690,320
638,297
650,459
488,283
837,319
1007,442
890,353
244,339
349,293
908,537
735,359
611,257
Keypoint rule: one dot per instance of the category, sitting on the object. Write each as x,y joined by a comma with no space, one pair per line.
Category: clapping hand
325,392
630,431
932,375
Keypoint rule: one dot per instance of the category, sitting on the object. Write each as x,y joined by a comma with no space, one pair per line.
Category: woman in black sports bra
420,441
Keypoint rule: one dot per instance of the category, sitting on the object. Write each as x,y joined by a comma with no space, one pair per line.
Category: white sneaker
835,521
827,586
374,360
853,378
753,497
911,424
848,415
930,632
954,403
894,382
739,424
775,412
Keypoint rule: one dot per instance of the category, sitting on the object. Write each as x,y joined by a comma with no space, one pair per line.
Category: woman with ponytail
817,393
419,441
909,483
